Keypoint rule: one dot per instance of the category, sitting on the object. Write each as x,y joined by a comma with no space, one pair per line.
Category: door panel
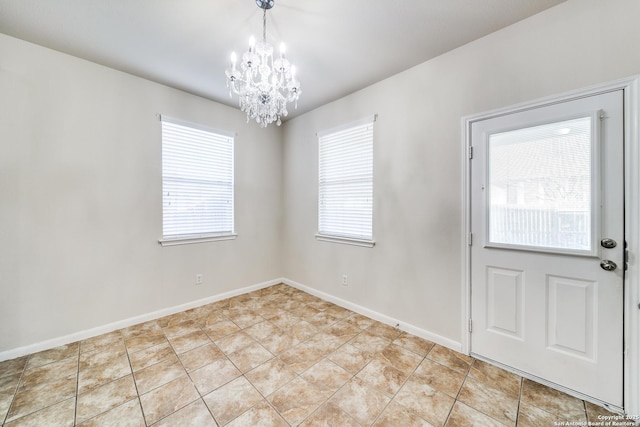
572,309
546,188
505,301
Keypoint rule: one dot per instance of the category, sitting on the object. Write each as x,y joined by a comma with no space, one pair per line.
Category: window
346,184
541,186
197,183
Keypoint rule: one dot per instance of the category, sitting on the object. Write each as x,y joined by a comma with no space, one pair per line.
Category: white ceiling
337,46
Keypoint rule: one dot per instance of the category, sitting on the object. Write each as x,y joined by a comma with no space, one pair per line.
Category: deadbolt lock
608,243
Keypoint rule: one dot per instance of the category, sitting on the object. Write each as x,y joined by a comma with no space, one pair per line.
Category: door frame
631,322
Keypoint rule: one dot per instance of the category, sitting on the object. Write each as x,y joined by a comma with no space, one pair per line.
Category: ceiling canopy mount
265,4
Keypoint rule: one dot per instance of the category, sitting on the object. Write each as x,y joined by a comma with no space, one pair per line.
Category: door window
542,188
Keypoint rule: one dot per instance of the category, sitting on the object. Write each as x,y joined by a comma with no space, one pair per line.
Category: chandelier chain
264,25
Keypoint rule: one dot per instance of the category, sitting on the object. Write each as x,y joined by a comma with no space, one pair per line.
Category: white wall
80,198
80,206
414,272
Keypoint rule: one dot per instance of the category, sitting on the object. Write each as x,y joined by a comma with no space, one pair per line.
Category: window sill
346,240
191,240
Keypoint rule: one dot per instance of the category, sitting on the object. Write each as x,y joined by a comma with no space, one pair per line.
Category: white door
547,253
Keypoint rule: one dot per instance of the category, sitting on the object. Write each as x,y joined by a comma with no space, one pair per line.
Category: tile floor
274,357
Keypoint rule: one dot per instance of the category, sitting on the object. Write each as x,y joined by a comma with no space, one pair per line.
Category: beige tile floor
274,357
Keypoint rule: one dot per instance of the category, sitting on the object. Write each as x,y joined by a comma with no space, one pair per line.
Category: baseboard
414,330
88,333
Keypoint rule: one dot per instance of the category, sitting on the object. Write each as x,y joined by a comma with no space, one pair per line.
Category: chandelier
264,85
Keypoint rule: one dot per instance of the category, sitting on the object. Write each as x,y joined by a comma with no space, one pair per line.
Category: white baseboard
82,335
414,330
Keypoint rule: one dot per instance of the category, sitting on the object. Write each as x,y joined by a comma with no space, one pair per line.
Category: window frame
202,236
322,235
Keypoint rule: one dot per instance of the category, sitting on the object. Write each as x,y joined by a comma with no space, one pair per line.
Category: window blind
197,181
346,181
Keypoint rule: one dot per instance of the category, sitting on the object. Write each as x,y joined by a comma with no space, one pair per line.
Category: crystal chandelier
264,85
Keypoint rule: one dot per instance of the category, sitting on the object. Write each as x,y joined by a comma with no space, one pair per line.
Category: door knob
608,265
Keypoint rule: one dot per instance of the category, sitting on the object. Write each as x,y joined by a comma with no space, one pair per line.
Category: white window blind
197,181
346,181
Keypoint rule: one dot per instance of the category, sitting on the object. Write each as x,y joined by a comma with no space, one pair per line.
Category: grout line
77,394
133,378
121,339
15,391
519,401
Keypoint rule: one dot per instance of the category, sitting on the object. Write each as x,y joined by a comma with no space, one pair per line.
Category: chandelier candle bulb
264,85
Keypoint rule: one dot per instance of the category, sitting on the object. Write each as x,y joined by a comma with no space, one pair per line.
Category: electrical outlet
345,280
199,279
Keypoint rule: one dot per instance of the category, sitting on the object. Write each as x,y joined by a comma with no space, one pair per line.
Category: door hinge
470,325
626,256
471,152
470,239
